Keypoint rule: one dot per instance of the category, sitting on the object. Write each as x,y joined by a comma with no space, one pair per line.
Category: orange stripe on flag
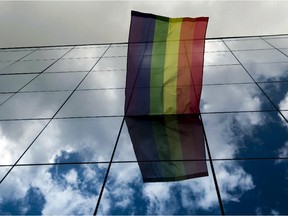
184,62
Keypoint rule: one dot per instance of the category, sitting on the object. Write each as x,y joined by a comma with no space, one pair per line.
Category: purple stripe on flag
141,32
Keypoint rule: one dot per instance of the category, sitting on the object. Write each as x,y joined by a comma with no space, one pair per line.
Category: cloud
226,98
15,138
84,137
159,198
127,194
283,105
259,211
268,71
282,153
233,180
71,177
67,193
118,192
101,18
274,212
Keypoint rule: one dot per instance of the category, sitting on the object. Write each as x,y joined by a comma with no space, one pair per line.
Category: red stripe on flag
184,61
196,67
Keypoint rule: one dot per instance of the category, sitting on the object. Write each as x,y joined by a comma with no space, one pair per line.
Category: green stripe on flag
157,66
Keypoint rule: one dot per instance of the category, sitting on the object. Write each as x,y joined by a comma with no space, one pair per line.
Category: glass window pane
285,114
52,190
75,140
237,97
104,80
247,44
27,67
260,56
268,71
245,135
55,82
32,105
124,150
86,52
4,65
278,42
219,58
125,193
94,103
46,54
285,51
215,46
3,171
15,137
12,83
4,97
13,55
68,65
113,63
259,186
225,74
117,50
278,93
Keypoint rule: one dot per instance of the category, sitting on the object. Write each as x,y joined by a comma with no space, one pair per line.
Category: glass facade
65,147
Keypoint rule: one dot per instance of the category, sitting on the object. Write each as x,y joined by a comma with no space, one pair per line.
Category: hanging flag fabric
168,147
164,65
162,95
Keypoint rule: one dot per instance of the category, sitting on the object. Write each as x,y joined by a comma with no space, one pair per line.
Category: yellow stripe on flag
171,66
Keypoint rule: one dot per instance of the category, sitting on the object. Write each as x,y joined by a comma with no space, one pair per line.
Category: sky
240,122
43,23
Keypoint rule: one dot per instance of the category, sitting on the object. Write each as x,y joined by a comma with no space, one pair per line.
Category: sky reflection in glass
60,128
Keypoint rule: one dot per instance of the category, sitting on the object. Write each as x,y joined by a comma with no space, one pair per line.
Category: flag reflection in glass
168,147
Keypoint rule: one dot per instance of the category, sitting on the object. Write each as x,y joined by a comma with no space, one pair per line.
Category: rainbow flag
168,147
164,65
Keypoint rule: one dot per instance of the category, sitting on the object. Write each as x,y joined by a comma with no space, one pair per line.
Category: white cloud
271,71
198,194
283,151
118,191
274,212
71,177
283,105
159,198
15,138
68,198
227,98
233,180
91,139
169,197
259,211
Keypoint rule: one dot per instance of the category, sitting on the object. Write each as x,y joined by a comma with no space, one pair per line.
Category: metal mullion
213,170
